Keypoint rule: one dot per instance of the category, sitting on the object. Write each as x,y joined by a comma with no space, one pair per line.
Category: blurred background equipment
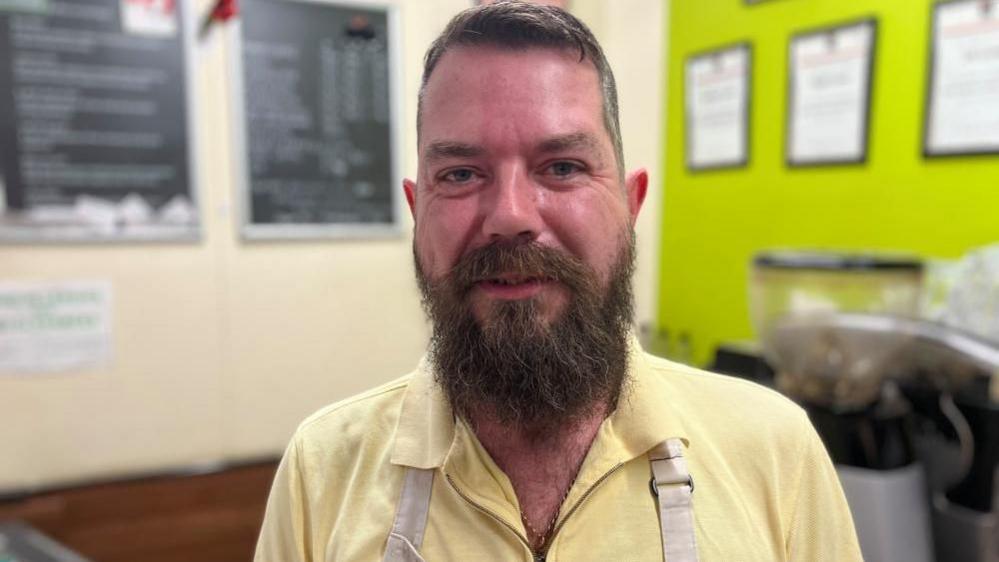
906,406
803,285
22,543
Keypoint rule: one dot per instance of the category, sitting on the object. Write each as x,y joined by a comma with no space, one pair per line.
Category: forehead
481,89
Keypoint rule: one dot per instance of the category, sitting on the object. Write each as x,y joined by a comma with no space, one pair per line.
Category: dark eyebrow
442,150
571,141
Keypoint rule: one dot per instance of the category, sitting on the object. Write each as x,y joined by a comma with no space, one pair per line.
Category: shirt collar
644,417
647,412
425,429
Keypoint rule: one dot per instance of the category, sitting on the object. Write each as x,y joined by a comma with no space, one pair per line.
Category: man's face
523,238
513,150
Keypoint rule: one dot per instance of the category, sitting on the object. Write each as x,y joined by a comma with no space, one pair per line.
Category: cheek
591,231
439,237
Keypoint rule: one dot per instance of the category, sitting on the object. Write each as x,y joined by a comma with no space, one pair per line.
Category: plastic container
794,295
786,282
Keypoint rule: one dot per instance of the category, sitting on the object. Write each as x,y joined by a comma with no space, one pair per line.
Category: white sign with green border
51,327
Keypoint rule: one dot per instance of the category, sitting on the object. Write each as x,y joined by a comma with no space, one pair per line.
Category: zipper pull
539,557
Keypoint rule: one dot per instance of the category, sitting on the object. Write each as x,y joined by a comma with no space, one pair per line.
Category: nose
511,212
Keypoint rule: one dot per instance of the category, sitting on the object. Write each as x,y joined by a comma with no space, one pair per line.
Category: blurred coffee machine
899,402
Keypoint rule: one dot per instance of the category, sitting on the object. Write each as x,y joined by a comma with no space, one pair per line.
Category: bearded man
536,428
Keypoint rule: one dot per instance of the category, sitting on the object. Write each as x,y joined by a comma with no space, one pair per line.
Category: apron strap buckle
672,485
654,486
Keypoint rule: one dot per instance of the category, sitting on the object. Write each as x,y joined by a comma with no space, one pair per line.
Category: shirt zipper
490,513
539,555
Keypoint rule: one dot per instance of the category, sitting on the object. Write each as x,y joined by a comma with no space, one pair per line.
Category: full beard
513,367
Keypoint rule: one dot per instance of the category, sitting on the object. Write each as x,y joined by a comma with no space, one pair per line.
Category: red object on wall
225,10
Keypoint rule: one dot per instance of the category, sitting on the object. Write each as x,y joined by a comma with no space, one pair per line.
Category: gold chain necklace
551,524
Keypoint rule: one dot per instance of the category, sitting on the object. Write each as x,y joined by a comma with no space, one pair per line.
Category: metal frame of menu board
251,231
927,151
865,133
30,233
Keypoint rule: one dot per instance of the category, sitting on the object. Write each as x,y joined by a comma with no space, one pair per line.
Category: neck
541,468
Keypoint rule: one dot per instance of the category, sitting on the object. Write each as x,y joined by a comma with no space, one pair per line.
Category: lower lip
511,292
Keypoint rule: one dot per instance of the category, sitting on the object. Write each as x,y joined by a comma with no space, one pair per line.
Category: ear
409,187
636,185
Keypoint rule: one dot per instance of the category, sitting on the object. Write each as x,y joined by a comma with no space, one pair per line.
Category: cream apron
671,485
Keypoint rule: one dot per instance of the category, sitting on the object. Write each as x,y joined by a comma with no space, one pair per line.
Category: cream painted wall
631,32
222,347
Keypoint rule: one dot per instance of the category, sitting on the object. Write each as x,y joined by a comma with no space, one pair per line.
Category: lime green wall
713,222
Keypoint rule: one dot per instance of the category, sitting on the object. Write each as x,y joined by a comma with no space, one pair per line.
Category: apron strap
411,516
672,486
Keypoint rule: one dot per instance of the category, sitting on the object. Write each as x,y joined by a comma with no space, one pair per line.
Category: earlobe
409,187
637,185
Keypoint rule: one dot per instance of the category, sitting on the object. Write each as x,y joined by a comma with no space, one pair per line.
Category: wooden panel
205,518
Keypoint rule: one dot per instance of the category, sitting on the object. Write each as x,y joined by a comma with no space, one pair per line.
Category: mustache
528,260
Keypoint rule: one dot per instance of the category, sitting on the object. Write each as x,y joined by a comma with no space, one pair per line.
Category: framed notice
318,120
829,89
95,121
962,115
716,100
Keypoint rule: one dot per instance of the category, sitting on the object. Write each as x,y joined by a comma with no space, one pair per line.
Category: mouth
513,286
515,279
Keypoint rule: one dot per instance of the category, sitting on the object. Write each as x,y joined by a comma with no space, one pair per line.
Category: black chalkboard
317,85
93,121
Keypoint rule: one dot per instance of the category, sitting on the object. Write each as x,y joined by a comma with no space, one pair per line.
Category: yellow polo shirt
765,489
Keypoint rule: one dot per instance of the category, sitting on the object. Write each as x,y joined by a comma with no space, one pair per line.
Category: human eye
563,169
458,175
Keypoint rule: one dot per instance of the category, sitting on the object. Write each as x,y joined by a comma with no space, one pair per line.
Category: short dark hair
514,25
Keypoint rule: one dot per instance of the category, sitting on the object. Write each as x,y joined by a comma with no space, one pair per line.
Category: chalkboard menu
319,124
94,121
